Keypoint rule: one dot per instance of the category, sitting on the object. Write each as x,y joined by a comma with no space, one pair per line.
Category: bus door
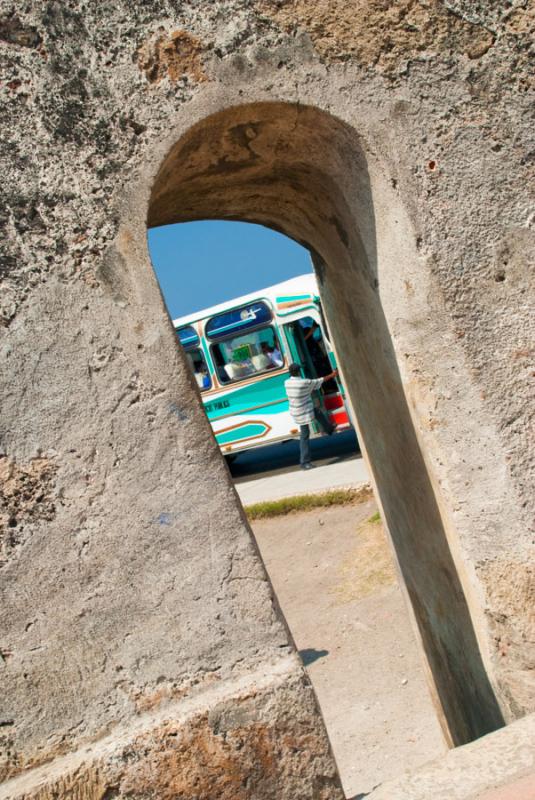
310,348
302,337
299,351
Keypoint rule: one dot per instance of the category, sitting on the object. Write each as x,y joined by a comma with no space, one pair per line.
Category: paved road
272,472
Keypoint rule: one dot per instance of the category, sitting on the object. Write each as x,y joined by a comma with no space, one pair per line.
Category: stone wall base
499,766
257,736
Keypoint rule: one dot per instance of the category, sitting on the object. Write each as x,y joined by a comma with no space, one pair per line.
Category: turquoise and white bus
240,351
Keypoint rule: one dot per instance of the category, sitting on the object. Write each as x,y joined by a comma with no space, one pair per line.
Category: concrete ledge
238,739
500,766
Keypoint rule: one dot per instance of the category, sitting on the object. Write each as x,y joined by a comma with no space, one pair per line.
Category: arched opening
305,173
208,267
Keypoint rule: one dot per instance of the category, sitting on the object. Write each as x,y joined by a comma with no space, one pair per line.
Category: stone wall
140,639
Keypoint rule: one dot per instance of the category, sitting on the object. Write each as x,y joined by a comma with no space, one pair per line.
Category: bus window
246,355
198,366
187,336
237,319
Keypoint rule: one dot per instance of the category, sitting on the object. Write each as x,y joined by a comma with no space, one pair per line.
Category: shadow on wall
303,172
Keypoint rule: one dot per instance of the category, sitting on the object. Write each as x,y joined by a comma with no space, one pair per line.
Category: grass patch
307,502
369,567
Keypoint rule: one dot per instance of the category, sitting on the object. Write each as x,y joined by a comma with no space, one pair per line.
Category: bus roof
302,284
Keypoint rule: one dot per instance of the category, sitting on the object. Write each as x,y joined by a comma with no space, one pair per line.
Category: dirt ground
336,583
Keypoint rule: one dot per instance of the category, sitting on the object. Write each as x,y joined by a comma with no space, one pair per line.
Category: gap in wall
301,171
331,568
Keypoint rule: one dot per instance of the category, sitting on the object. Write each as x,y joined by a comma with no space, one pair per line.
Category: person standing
302,410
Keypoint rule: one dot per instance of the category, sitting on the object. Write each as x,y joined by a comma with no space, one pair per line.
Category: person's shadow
310,654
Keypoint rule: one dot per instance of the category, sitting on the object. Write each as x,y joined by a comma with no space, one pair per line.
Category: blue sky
199,264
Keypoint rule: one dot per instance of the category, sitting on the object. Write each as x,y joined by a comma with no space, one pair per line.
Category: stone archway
140,647
305,173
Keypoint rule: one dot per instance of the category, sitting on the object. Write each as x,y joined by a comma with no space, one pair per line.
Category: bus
239,353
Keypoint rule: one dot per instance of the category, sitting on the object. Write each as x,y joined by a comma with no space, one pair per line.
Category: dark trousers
304,438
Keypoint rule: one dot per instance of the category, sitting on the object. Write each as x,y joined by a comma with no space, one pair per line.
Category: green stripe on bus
268,390
243,432
288,298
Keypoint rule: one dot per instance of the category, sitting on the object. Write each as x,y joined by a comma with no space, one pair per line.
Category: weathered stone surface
250,738
383,35
27,495
398,147
171,56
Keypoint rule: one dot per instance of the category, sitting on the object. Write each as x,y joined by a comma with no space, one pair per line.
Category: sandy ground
335,581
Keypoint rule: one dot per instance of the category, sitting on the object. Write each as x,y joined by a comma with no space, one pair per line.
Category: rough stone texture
171,56
250,738
399,149
381,34
27,496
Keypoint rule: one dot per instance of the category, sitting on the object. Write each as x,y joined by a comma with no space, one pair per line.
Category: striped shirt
299,391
